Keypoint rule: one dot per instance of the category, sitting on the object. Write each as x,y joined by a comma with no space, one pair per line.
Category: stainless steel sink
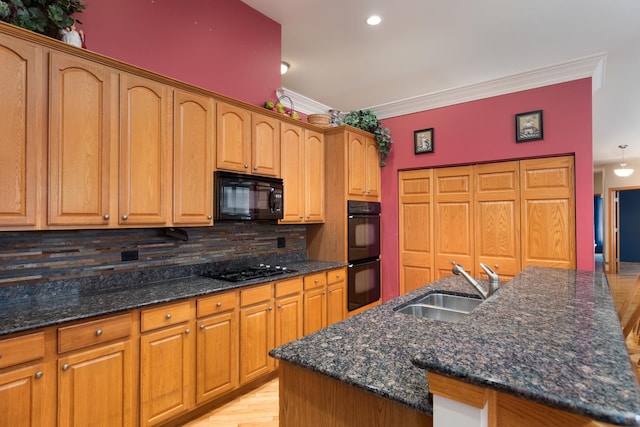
441,306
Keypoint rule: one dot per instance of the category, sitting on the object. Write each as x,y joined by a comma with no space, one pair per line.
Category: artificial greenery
367,120
46,17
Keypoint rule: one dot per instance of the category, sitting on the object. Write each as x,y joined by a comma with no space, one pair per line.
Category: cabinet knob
279,305
187,331
168,316
106,216
270,308
99,332
324,292
219,304
246,166
39,375
496,266
330,291
202,327
209,217
65,367
255,168
316,281
125,217
301,216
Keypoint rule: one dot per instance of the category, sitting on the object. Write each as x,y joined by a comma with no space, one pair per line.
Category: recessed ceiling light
284,67
374,20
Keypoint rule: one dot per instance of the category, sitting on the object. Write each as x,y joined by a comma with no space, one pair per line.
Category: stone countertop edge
28,307
550,336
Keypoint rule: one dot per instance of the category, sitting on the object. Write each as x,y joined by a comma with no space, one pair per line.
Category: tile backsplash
40,256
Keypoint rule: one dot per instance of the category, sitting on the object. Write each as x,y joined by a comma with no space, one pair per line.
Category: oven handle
350,265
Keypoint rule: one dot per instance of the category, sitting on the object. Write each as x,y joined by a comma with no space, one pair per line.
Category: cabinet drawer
315,280
22,349
216,304
288,287
94,332
166,315
335,276
255,295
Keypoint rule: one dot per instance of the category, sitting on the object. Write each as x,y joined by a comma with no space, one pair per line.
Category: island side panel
309,399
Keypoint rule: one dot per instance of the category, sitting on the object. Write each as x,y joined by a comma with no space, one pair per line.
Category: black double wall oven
363,225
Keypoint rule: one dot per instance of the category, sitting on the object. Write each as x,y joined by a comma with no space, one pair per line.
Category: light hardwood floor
259,408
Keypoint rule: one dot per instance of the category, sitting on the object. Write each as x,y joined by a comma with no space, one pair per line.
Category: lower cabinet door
165,374
256,340
21,397
96,385
217,360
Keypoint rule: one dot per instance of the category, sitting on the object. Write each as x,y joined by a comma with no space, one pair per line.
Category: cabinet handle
209,217
279,305
301,216
324,292
330,291
188,331
219,304
99,332
168,316
270,308
202,327
246,166
496,266
65,367
255,168
39,375
125,217
106,216
316,281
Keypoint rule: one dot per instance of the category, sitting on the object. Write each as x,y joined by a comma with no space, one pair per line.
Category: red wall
222,45
484,131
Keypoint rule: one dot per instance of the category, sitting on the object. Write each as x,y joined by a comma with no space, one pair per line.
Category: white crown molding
589,66
301,103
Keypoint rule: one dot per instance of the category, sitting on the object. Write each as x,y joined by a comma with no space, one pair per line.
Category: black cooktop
249,273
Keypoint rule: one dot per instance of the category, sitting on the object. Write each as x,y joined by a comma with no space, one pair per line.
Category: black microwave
247,197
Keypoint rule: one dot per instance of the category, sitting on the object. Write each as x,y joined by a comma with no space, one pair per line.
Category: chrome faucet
494,283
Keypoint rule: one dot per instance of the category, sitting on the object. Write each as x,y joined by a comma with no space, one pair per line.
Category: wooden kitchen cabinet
247,142
23,386
303,174
95,373
336,296
21,133
364,168
217,346
256,332
193,150
166,363
81,100
315,302
145,152
288,313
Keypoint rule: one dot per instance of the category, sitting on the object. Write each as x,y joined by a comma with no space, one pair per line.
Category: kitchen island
549,336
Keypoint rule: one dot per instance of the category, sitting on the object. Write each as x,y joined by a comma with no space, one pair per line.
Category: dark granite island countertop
549,335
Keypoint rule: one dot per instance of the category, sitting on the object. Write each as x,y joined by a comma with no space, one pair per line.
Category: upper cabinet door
80,95
293,172
314,176
193,145
265,145
372,180
145,151
233,142
357,154
21,137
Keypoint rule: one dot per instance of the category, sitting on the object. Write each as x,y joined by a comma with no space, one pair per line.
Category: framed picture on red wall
529,126
423,141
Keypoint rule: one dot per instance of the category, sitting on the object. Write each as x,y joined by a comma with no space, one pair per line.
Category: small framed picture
529,126
423,141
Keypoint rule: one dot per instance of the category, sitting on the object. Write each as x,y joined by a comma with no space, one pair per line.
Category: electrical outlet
282,242
129,255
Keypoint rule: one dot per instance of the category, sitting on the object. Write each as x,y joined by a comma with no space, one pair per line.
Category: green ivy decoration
46,17
367,121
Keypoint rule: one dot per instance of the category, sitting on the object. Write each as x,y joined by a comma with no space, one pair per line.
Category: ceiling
424,47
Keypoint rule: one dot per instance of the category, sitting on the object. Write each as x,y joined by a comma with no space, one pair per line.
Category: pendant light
623,170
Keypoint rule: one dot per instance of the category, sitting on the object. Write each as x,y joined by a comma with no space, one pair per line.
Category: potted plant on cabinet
367,121
46,17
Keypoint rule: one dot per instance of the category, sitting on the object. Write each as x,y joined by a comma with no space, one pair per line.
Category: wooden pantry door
416,229
453,210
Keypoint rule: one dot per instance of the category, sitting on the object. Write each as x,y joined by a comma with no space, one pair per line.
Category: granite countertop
549,335
27,307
